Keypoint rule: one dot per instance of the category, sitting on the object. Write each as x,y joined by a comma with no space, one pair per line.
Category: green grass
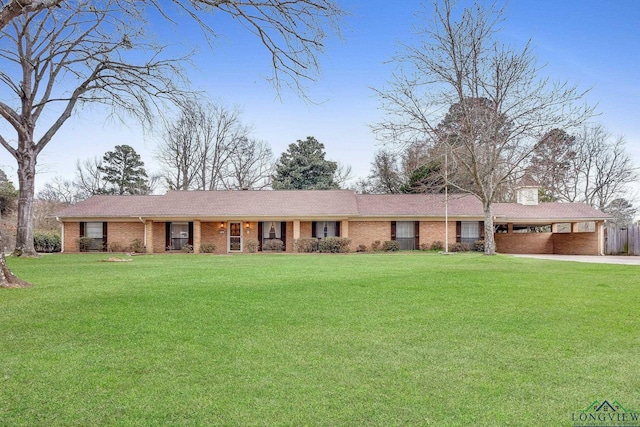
375,339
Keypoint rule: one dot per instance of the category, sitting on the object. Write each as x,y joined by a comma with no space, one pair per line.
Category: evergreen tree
8,194
124,170
303,167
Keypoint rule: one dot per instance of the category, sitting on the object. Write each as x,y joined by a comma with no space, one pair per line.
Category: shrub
207,248
391,246
275,245
478,245
362,248
437,245
252,245
47,241
137,246
187,249
334,245
305,244
375,246
84,243
115,247
459,247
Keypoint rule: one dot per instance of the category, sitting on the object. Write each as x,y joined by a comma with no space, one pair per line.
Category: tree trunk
489,237
26,177
7,278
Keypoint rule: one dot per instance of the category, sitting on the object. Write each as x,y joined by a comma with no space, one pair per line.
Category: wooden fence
622,241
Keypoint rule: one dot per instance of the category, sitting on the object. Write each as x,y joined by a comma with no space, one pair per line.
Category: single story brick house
228,219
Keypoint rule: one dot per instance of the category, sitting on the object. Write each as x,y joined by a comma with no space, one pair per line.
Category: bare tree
59,191
55,55
196,149
55,59
385,176
481,100
179,152
221,130
89,179
250,165
11,9
601,170
342,175
292,32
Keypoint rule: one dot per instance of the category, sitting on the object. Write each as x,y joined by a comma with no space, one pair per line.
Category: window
96,233
272,230
469,231
405,235
323,229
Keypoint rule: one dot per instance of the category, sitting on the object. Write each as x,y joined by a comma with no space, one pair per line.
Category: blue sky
592,43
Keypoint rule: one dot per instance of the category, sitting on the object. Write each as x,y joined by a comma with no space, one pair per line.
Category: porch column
197,236
296,229
344,228
554,227
574,227
510,228
600,234
148,232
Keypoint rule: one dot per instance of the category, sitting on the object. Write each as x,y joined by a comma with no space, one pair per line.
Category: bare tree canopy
293,32
250,165
591,166
57,55
208,148
480,101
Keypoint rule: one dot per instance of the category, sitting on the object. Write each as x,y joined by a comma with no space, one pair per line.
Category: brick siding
576,243
524,243
360,233
367,232
71,236
120,235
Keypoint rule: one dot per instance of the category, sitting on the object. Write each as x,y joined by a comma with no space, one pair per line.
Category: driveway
608,259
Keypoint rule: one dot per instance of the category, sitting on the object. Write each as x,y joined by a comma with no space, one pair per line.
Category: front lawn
330,340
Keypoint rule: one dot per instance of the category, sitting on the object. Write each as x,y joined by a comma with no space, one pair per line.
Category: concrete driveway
608,259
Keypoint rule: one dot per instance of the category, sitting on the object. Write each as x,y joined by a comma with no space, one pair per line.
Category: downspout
145,231
61,234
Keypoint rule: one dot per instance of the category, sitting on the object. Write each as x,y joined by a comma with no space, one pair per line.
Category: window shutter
260,235
337,228
167,234
393,230
82,228
458,231
313,229
283,235
416,233
481,230
190,241
104,236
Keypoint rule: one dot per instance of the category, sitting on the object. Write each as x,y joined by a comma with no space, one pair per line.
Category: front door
235,237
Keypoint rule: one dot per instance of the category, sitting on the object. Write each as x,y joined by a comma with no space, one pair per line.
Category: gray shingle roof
314,204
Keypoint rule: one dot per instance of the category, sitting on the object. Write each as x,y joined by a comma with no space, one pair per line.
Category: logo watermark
602,413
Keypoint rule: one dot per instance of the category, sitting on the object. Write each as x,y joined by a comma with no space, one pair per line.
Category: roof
316,204
209,204
418,205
